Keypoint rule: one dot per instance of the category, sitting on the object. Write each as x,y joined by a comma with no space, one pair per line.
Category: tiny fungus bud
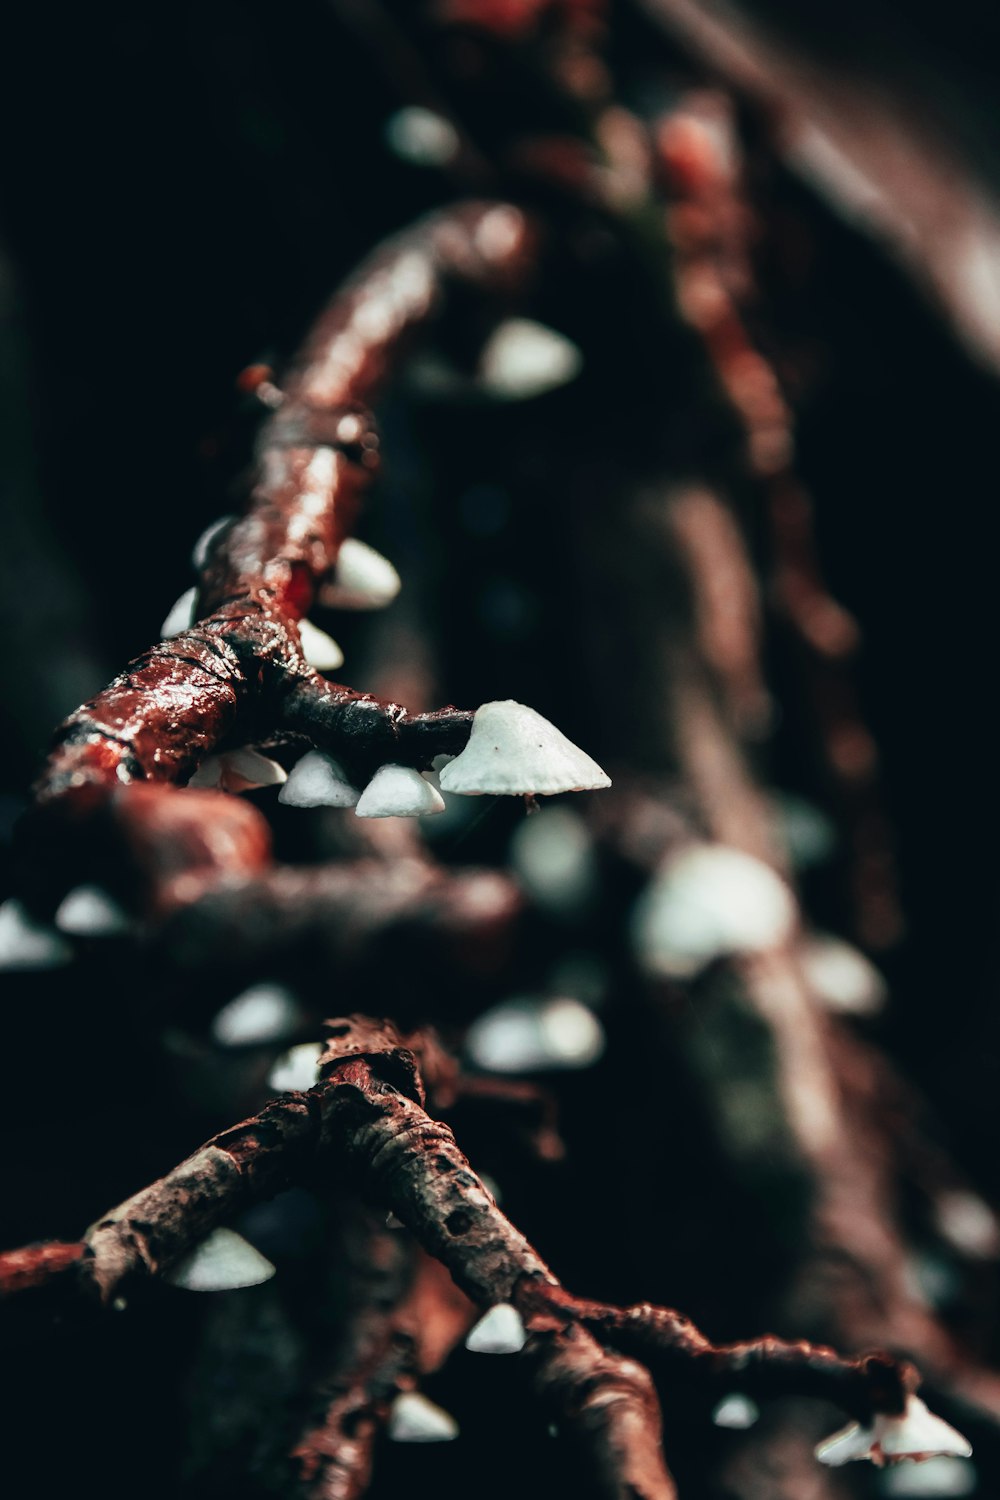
414,1419
398,792
499,1331
317,780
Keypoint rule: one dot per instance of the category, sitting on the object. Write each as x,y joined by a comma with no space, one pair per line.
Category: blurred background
181,193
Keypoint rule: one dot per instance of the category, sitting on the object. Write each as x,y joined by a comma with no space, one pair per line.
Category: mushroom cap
916,1434
239,770
205,544
88,911
181,614
317,780
319,649
295,1070
27,944
842,979
499,1331
706,902
362,579
263,1013
529,1035
221,1263
398,792
414,1419
522,358
512,751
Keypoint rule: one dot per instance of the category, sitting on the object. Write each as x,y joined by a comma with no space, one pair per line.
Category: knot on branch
889,1382
378,1043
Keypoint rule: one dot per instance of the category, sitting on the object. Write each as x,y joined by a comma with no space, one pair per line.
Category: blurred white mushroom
202,549
398,792
708,901
27,944
422,137
968,1223
917,1434
240,770
935,1477
553,856
319,649
295,1069
362,579
841,978
88,911
527,1035
223,1262
512,751
414,1419
522,358
180,616
499,1331
736,1411
317,780
262,1013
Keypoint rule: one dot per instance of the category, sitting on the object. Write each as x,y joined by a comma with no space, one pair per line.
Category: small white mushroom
317,780
522,358
203,546
706,902
512,751
422,137
240,770
736,1411
841,978
362,579
398,792
262,1013
969,1224
27,944
181,615
529,1036
319,649
917,1434
414,1419
88,911
223,1262
499,1331
295,1069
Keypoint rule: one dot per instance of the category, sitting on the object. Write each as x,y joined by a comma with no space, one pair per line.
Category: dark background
180,192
